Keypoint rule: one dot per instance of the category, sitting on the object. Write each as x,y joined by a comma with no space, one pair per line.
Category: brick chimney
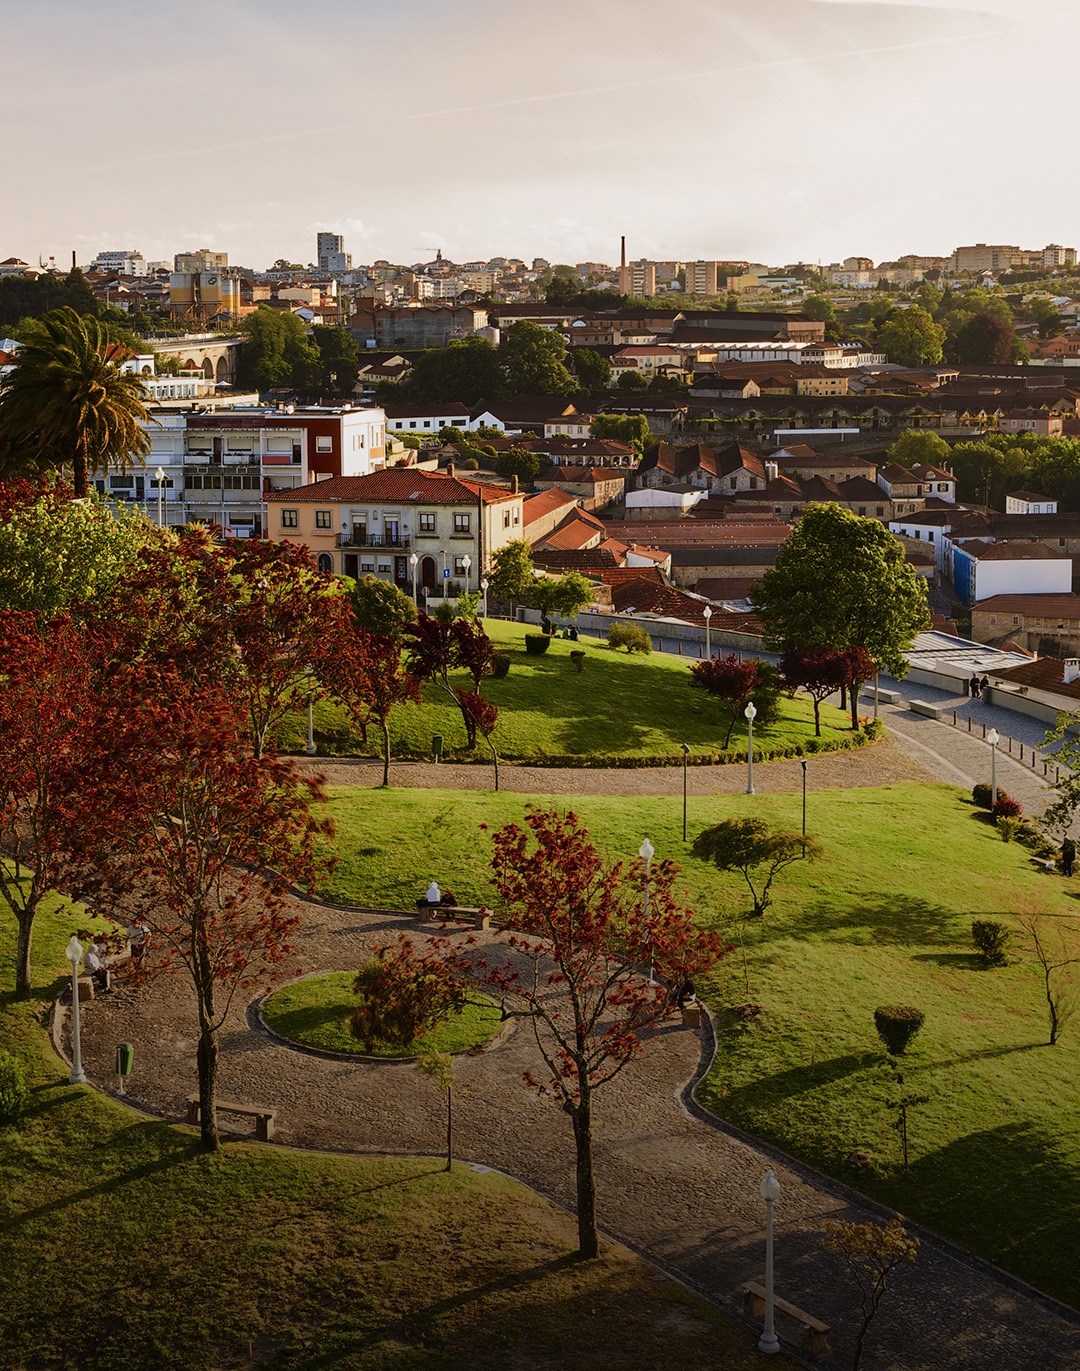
1071,671
450,469
514,487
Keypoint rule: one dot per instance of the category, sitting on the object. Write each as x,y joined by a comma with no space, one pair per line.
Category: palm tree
67,403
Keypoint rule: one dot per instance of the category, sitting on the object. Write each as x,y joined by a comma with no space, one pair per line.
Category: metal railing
374,540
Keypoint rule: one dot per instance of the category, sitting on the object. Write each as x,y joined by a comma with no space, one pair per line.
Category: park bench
926,708
815,1334
452,911
264,1118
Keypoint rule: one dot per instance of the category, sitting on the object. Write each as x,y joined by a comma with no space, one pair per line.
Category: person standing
1068,857
973,685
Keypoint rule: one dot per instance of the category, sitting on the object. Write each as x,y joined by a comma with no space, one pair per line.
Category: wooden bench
815,1334
265,1119
453,911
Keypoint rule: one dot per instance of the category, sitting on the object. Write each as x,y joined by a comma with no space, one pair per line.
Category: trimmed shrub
630,636
1006,807
982,794
536,644
897,1025
502,665
990,937
578,659
13,1089
874,729
1007,827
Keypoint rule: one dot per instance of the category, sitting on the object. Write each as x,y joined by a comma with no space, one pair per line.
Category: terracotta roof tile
397,485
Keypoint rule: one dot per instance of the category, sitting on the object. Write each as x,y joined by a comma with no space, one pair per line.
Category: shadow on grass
306,1024
418,1325
797,1080
900,920
1013,1194
958,961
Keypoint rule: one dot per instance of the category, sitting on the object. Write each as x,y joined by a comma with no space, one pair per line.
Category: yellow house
414,528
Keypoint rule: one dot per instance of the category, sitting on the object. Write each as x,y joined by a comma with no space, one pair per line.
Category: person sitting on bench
96,966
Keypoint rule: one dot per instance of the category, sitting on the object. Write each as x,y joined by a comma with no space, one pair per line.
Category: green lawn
315,1011
123,1246
619,706
885,917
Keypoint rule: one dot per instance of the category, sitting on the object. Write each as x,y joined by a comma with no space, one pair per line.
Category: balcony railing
402,543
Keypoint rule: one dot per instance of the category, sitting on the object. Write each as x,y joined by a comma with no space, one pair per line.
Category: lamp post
646,852
414,562
685,758
751,715
484,588
159,476
73,952
770,1193
445,578
309,747
803,760
707,611
993,738
466,562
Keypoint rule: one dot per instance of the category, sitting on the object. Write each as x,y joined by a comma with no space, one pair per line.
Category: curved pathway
673,1183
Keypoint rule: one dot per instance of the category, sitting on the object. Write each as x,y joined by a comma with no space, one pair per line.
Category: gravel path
672,1185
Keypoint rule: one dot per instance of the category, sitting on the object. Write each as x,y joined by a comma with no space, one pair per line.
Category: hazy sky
763,129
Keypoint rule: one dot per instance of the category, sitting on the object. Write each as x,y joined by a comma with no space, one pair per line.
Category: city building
331,254
201,260
418,529
120,262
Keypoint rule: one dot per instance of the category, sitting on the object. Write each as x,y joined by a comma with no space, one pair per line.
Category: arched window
326,563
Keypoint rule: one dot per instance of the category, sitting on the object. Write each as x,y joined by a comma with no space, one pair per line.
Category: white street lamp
484,587
73,952
707,611
751,715
466,562
993,738
770,1193
413,560
310,746
646,852
159,476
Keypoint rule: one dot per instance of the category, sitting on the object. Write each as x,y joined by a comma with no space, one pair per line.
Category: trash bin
436,745
125,1058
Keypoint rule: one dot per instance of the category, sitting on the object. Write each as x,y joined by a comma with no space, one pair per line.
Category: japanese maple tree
434,648
364,673
818,671
730,681
186,829
485,719
578,926
47,698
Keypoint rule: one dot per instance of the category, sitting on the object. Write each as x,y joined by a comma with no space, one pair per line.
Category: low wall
687,640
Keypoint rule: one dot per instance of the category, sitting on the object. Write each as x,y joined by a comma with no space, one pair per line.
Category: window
324,444
427,523
367,566
862,510
121,483
412,423
384,566
459,566
517,517
506,518
1061,542
930,535
326,562
322,518
462,523
880,510
290,518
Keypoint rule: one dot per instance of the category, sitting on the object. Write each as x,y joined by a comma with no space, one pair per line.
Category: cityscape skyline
774,131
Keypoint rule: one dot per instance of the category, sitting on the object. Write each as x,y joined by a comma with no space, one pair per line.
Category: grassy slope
315,1011
122,1245
884,917
618,706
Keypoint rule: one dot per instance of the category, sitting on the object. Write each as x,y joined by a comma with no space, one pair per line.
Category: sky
765,130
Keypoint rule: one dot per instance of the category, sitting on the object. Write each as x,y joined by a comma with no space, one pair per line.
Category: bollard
969,723
954,718
1021,751
984,730
1009,741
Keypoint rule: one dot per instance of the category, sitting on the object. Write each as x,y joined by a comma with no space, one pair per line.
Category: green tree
631,381
565,595
758,852
819,307
339,361
277,351
534,360
56,552
67,403
593,369
841,581
519,462
563,286
985,339
1045,314
380,607
911,337
917,445
624,428
511,573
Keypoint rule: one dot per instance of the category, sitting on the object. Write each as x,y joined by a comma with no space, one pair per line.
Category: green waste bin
125,1058
436,745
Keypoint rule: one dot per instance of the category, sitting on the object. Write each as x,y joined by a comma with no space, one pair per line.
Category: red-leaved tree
47,700
730,681
485,719
364,673
435,648
578,925
185,828
818,671
858,667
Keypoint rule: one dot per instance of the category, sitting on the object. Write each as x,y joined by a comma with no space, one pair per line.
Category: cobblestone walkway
676,1187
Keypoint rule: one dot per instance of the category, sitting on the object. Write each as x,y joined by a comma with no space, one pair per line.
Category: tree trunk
495,758
856,687
386,752
856,1360
843,697
588,1242
449,1127
817,717
78,472
208,1064
22,953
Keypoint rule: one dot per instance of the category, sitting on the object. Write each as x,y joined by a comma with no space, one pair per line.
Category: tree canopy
841,581
911,337
534,360
277,352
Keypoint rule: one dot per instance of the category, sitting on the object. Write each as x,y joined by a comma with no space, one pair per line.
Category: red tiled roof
1014,552
398,485
1047,673
545,502
1041,606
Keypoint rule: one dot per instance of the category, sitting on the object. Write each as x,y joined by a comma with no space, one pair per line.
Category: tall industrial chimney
624,275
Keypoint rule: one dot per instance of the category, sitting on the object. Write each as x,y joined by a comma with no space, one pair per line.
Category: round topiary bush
502,665
897,1025
536,644
982,794
13,1089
